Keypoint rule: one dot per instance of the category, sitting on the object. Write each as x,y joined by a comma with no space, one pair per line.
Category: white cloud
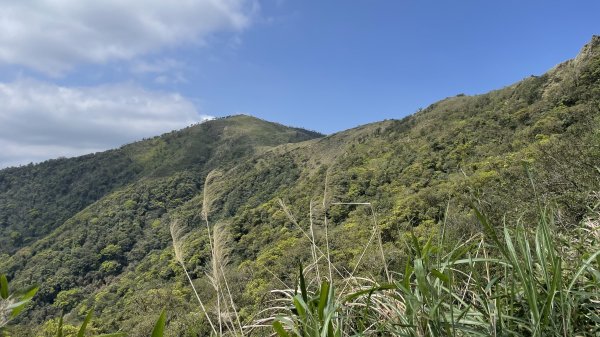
164,70
39,120
52,36
162,65
173,78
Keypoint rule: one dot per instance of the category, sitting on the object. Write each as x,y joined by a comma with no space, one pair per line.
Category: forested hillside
36,199
96,231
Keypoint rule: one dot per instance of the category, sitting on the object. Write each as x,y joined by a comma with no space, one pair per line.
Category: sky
84,76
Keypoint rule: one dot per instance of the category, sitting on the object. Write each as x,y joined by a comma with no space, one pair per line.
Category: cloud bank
40,120
52,36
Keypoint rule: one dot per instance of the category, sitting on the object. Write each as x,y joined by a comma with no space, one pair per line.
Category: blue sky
79,77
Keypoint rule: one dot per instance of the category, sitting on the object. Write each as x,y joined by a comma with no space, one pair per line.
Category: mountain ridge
189,148
416,173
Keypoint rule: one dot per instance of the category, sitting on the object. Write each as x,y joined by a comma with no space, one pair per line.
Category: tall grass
178,239
218,238
511,281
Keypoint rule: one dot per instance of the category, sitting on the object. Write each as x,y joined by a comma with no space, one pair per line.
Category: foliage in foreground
12,303
518,283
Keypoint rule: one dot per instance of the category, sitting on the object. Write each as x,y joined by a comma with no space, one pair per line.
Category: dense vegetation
36,199
96,232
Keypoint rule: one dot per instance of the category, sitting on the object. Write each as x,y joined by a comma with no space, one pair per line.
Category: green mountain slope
537,141
35,199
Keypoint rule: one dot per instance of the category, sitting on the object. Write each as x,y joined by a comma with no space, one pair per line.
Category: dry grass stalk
312,236
314,245
178,238
218,240
325,206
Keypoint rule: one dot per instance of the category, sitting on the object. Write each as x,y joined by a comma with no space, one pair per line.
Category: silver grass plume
178,239
218,240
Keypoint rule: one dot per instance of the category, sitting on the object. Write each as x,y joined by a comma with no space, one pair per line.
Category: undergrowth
510,280
516,280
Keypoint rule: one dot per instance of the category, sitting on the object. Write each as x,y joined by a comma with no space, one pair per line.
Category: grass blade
159,327
323,299
87,319
303,291
278,327
59,330
3,286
